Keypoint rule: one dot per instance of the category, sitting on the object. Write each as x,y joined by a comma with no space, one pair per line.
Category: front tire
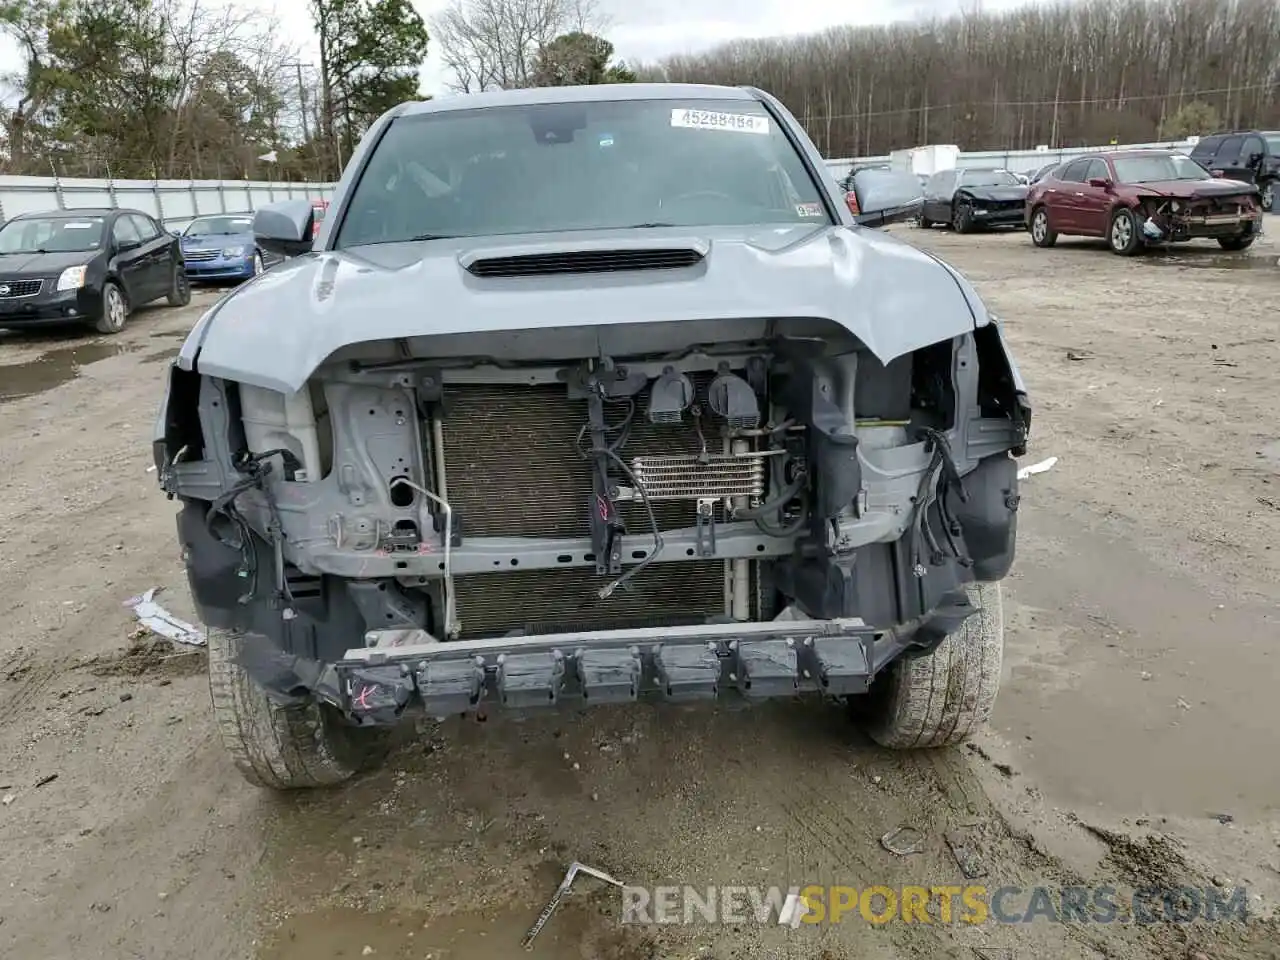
1268,196
943,699
115,309
258,266
962,218
179,288
292,747
1041,235
1124,236
1236,243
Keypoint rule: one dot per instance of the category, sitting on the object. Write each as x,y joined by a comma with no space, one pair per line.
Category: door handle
1079,194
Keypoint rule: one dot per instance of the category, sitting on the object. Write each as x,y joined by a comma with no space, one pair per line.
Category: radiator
514,470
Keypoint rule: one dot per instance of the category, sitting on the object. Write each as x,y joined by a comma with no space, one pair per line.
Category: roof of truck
584,94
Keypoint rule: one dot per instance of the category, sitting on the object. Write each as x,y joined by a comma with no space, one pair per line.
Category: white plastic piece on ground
793,910
1035,468
160,621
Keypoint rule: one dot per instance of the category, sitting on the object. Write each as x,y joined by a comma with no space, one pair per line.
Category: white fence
1019,161
177,202
174,202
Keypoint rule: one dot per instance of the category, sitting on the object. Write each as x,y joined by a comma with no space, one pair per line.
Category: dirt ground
1134,741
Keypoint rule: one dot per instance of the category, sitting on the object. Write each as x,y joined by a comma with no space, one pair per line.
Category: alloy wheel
115,308
1039,226
1121,233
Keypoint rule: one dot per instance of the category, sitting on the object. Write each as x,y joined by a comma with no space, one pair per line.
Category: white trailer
925,161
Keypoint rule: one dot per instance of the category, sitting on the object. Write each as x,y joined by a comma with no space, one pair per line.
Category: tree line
1065,74
203,89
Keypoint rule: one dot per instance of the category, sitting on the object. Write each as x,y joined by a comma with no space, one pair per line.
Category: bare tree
1089,72
494,44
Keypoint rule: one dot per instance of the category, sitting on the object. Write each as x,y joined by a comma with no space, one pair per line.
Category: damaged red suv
1140,197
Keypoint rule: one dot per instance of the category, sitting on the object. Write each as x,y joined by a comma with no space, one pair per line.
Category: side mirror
880,197
285,227
124,246
1216,174
1100,182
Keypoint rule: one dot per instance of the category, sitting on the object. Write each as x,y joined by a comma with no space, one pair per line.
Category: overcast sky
649,29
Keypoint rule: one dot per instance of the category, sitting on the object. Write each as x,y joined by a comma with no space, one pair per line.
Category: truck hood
277,329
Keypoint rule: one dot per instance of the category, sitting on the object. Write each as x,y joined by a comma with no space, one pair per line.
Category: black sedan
86,266
968,199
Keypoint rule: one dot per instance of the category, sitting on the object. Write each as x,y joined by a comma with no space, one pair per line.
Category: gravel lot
1134,741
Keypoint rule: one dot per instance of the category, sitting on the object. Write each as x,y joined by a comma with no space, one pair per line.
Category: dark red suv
1139,197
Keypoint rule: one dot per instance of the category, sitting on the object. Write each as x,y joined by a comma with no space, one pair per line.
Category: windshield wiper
427,236
646,226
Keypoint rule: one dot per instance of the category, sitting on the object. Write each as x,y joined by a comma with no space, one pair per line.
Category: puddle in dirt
574,932
1217,262
166,354
53,368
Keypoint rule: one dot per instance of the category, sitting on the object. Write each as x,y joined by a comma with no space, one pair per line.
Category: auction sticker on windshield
711,120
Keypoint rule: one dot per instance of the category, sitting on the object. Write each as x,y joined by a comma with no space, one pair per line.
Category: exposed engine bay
1170,219
415,502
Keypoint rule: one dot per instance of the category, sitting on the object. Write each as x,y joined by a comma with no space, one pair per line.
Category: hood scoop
597,260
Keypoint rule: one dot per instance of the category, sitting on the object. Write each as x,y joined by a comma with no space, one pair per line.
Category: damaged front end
1177,219
756,506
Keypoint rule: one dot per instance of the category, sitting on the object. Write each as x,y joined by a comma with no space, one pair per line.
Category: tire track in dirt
25,682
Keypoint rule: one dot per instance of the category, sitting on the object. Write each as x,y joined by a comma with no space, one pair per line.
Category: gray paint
275,331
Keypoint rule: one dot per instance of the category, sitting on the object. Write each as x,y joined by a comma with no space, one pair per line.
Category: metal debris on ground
575,868
903,841
160,621
966,856
1035,468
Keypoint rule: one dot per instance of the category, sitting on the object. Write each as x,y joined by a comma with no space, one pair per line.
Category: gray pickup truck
583,396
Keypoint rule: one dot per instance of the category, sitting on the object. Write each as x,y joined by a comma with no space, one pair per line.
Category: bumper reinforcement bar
401,668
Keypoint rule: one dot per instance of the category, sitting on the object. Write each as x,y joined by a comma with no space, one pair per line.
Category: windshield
988,178
210,226
51,235
547,168
1153,169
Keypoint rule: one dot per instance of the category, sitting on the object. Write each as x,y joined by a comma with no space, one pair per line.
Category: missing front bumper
406,668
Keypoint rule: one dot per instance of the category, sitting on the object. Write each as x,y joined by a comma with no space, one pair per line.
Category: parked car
1037,175
223,248
1134,198
969,199
1250,155
537,441
90,266
887,195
